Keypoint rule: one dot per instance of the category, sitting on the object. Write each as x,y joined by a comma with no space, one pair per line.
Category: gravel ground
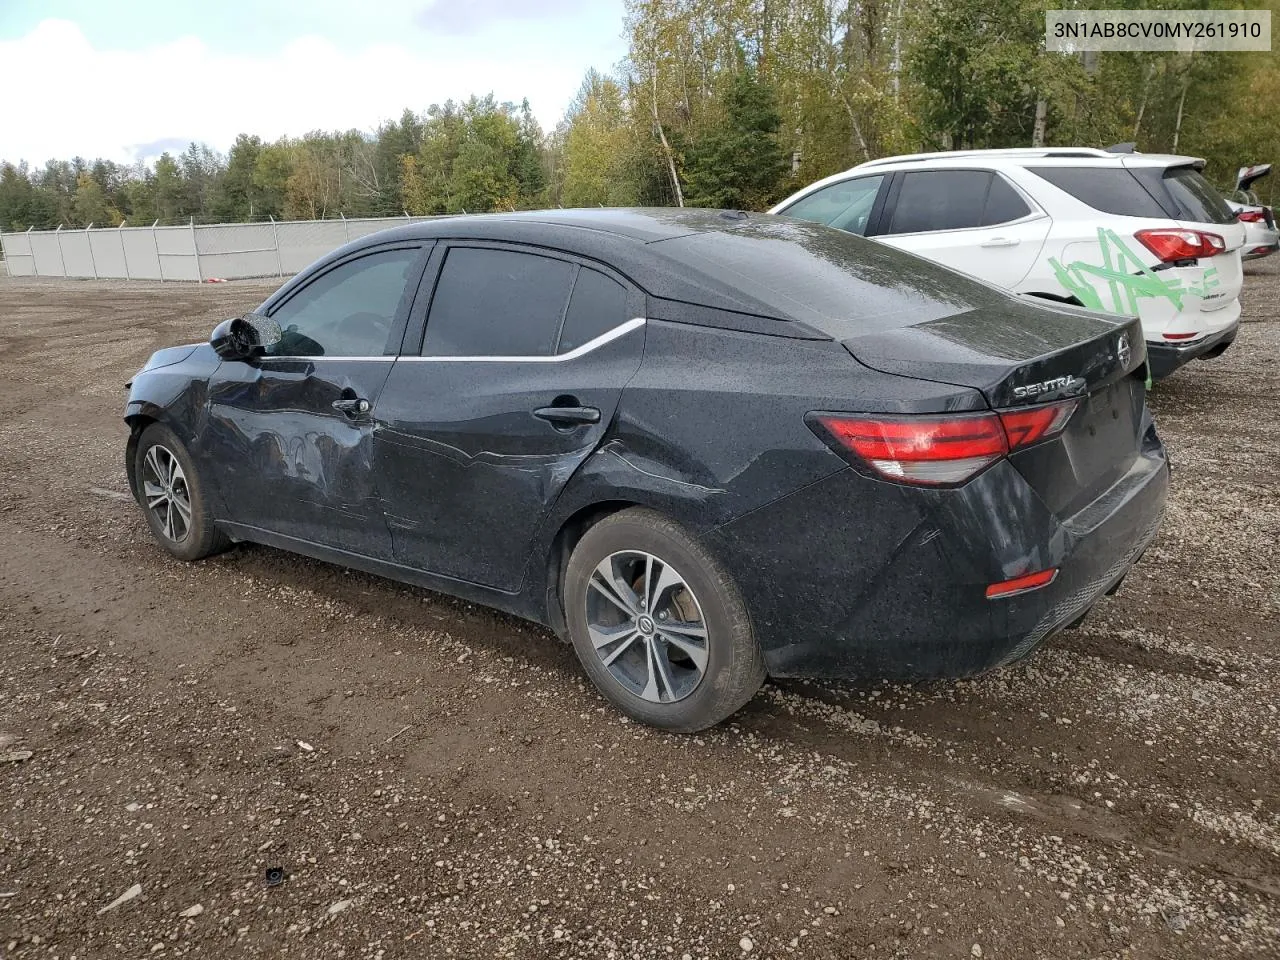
434,780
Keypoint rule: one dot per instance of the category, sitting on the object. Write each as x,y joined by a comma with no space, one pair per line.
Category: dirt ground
435,780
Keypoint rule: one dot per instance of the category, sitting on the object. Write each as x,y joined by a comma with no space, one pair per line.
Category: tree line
723,103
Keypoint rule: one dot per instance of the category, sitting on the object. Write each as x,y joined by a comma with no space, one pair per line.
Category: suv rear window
1112,190
1195,197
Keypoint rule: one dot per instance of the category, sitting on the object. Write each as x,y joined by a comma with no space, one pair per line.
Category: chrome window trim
608,336
595,343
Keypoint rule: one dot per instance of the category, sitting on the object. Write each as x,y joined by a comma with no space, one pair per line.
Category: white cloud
66,98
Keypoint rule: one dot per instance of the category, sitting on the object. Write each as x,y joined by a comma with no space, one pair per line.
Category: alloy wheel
168,497
647,626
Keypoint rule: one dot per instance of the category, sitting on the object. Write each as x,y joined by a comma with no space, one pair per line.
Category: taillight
1251,216
941,450
1173,245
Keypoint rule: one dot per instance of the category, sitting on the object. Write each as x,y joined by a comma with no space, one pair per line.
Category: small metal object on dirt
274,876
303,745
134,891
16,756
407,726
192,911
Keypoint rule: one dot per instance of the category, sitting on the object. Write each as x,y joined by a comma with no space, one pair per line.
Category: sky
129,79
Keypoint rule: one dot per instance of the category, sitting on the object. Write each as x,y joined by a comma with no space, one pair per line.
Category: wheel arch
561,548
139,415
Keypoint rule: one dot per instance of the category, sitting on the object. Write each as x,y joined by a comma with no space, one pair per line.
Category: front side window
940,200
845,205
497,303
348,311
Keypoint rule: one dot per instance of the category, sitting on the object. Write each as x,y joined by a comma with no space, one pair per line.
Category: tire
186,532
644,652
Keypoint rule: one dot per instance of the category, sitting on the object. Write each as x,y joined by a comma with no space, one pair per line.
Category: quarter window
497,303
1108,190
348,311
598,304
845,205
1003,203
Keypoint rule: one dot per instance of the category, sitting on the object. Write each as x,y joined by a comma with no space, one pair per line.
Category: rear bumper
1259,250
1165,357
853,578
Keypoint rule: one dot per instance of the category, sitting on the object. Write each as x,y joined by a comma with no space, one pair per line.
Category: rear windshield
1195,197
838,283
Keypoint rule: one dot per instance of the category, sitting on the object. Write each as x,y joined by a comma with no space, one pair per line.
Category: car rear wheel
173,497
658,624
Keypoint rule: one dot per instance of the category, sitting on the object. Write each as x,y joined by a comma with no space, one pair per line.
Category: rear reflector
1032,581
1180,336
1173,245
941,450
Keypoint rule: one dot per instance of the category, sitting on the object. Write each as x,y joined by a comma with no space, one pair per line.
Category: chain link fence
224,251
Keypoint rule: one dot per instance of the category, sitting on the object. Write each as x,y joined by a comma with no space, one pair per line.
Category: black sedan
705,447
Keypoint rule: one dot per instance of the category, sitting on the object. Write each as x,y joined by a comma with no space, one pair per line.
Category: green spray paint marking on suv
1123,279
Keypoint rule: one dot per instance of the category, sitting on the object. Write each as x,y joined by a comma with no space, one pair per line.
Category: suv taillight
937,451
1251,216
1173,245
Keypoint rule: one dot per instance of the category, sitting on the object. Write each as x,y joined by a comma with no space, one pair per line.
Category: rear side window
845,205
1195,196
597,306
1112,190
940,200
497,303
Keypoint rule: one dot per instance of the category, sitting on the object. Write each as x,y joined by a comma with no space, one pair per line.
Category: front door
288,439
523,362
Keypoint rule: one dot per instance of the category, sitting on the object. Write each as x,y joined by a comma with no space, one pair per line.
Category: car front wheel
658,624
173,497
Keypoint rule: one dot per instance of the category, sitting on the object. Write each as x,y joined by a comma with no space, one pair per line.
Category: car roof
643,224
1017,155
754,264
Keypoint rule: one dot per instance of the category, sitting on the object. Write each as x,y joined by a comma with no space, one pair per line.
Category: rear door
974,221
508,386
288,437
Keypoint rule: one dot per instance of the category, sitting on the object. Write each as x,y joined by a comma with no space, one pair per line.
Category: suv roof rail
1007,152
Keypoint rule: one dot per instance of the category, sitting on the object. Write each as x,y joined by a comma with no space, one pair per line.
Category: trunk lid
1021,354
1016,353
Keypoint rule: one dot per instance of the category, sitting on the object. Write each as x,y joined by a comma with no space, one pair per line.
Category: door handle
566,416
351,405
1001,242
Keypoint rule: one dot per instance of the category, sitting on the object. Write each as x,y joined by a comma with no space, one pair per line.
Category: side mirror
243,338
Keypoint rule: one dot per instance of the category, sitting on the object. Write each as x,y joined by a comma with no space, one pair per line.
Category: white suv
1127,233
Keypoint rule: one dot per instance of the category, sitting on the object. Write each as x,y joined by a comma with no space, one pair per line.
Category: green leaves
738,161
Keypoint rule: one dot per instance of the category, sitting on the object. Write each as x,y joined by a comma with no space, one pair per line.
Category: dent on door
289,461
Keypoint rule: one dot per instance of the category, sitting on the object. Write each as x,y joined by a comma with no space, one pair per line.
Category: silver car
1261,238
